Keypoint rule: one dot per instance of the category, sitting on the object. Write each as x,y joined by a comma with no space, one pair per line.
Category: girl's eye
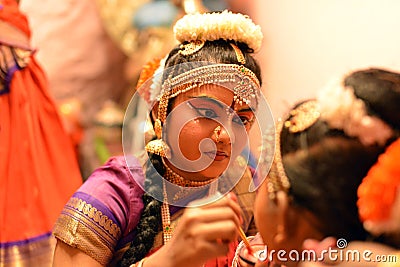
242,120
207,113
204,112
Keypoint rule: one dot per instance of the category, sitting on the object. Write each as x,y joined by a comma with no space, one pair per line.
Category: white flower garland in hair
213,26
341,109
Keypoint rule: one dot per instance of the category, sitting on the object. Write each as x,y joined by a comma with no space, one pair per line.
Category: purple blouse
100,216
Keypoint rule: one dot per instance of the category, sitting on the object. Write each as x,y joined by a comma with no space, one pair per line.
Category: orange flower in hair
378,191
147,73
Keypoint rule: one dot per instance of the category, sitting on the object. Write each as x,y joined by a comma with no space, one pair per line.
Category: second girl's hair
325,166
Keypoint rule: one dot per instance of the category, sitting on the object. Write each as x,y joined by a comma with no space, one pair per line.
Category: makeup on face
191,124
210,108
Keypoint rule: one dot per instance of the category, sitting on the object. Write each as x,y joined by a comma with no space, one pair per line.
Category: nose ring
217,132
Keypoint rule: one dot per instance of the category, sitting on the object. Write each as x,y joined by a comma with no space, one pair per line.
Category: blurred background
92,52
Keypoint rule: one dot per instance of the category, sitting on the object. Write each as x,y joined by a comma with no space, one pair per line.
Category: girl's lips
217,155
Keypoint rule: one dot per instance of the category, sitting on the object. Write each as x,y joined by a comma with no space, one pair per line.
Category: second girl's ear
294,225
283,224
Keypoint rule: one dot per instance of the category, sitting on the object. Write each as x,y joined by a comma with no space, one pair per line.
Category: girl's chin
215,170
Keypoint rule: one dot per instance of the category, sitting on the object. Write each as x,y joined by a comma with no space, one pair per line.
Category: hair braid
150,220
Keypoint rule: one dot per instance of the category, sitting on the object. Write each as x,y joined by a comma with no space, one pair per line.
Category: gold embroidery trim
73,232
96,215
85,227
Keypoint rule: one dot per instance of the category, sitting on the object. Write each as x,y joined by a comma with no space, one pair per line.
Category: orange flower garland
377,192
147,73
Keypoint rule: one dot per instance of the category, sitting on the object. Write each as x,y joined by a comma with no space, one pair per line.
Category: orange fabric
38,167
9,12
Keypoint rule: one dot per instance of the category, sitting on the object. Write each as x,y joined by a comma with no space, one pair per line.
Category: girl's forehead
216,92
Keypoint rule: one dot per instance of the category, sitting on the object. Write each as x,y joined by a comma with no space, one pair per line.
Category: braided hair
150,220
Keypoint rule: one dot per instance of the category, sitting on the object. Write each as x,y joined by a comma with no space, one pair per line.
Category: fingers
220,231
208,215
230,200
206,231
217,248
217,223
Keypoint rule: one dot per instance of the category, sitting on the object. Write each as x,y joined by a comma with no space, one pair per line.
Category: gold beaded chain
176,179
166,217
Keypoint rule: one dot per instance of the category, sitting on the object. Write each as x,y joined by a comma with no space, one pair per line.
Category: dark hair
219,51
325,166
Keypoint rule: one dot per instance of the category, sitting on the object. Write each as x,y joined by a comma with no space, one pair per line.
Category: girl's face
266,215
205,130
282,226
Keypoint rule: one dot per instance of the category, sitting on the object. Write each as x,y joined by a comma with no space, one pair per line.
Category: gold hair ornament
299,119
277,179
247,85
191,47
303,116
239,54
247,88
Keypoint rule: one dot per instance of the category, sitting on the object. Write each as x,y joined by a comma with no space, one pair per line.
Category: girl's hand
203,233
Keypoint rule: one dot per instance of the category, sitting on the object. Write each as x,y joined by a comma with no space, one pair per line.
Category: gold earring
217,132
158,146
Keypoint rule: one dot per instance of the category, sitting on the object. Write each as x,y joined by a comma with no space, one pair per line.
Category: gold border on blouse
84,227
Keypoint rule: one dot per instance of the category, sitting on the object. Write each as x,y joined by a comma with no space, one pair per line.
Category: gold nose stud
217,132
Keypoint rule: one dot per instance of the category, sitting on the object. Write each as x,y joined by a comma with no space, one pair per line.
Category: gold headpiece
247,85
191,47
303,116
300,119
277,179
194,30
239,54
246,88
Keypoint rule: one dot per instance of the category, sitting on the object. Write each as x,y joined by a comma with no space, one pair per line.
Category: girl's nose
222,134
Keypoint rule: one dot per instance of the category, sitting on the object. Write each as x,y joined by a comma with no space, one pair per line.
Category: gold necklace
176,179
166,217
